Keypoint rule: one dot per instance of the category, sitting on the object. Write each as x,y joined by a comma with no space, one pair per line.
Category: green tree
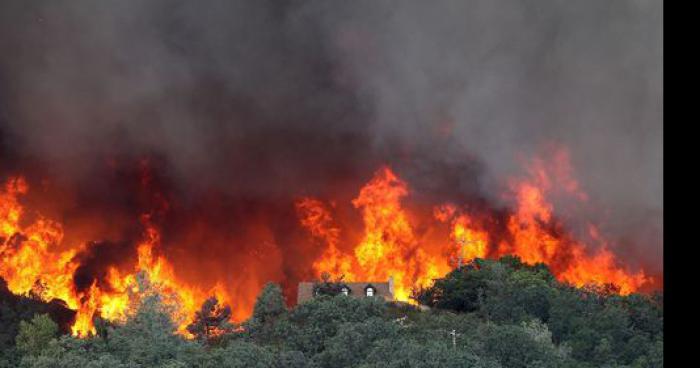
35,335
293,359
70,352
270,304
267,324
311,324
353,342
149,338
404,352
461,290
240,354
515,347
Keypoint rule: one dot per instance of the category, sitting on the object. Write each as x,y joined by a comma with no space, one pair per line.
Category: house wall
357,290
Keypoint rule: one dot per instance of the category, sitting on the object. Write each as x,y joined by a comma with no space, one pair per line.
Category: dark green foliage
68,352
488,314
268,310
402,353
311,324
599,326
293,359
149,337
35,335
512,346
14,309
350,346
505,290
270,305
240,354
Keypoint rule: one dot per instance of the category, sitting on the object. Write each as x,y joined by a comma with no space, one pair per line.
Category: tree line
487,314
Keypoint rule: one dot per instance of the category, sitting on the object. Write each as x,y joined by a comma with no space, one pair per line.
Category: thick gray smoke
278,98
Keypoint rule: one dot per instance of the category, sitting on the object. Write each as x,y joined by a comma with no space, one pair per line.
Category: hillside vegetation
488,314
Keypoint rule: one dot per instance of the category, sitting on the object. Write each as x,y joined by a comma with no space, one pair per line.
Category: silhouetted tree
211,320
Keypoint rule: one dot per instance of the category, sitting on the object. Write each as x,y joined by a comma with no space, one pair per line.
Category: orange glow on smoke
315,217
410,245
570,260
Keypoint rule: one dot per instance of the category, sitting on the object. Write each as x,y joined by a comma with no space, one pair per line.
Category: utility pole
454,335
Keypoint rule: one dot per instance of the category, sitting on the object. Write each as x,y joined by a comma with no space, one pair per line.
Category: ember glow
395,239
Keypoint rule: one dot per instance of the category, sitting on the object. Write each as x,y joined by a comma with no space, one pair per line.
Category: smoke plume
231,110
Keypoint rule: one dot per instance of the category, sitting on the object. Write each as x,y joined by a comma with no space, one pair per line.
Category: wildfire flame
31,262
391,248
407,246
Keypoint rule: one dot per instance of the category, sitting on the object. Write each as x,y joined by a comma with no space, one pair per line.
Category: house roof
383,289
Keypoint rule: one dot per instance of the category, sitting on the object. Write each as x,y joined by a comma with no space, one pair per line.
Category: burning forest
210,150
378,234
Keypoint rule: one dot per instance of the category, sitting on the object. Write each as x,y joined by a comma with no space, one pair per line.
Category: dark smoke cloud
273,99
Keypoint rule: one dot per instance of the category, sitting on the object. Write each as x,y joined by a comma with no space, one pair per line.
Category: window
345,290
370,291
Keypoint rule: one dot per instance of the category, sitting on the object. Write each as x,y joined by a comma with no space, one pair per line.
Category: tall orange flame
31,262
318,220
389,247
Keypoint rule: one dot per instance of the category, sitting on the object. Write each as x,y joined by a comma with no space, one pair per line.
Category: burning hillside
414,244
212,148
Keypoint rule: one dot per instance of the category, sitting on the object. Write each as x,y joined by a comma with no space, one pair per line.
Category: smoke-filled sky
268,99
